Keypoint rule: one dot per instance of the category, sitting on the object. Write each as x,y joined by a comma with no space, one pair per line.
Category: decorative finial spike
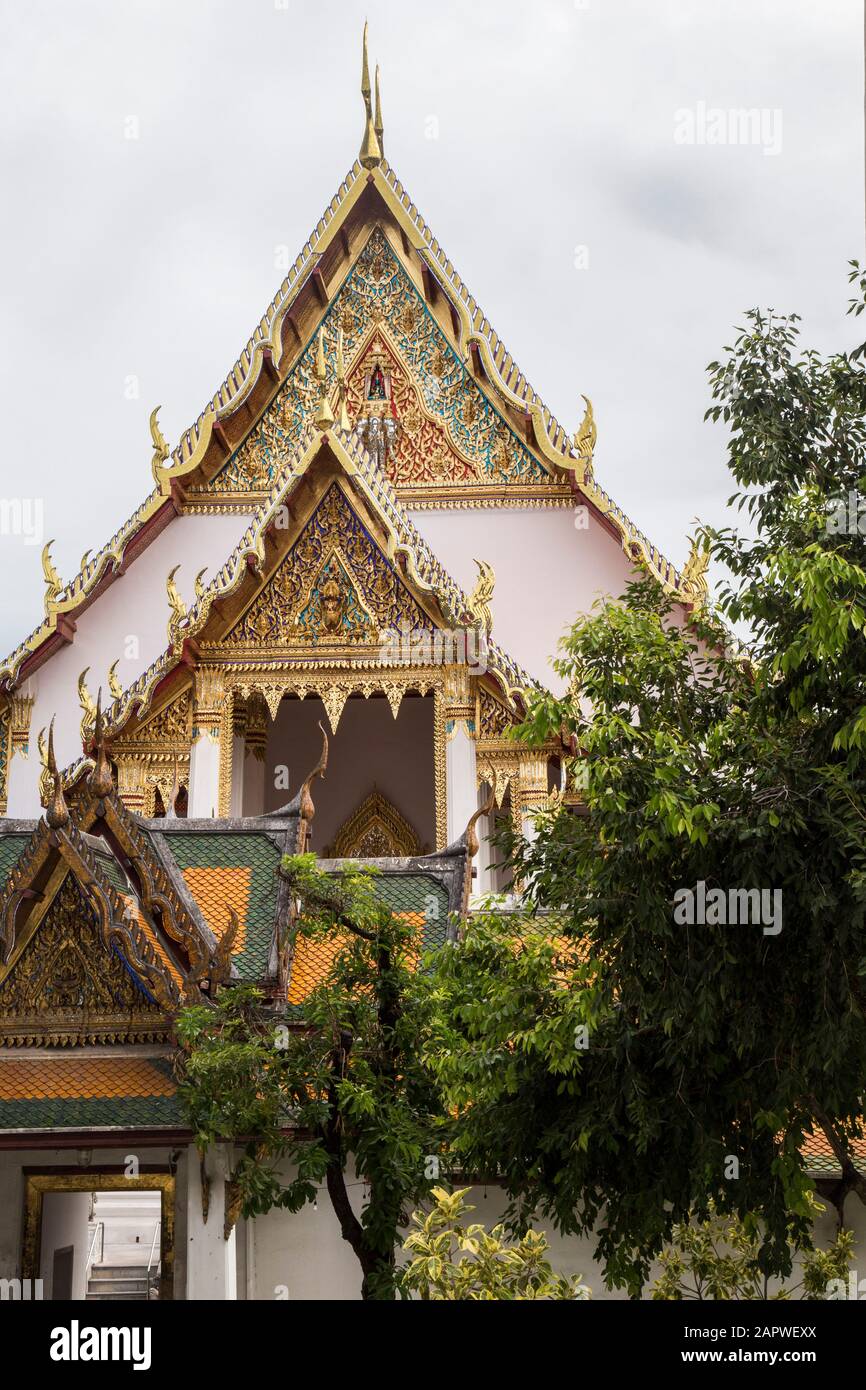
377,119
371,151
365,67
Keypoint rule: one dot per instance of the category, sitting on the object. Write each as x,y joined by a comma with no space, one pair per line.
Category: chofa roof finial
371,150
306,809
100,780
56,812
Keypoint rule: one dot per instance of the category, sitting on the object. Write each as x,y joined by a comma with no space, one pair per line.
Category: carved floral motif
334,584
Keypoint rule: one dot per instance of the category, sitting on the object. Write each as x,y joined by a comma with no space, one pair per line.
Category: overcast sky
611,256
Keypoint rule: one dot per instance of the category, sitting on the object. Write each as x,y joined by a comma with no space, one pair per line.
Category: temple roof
134,920
407,550
367,198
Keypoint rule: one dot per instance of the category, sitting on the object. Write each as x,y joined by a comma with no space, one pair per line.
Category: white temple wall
548,571
302,1255
65,1217
129,621
295,1255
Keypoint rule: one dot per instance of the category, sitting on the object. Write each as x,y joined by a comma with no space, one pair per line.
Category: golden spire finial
377,119
371,150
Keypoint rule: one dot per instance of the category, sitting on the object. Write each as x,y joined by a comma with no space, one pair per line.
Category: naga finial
85,700
371,151
306,809
585,441
160,447
693,580
100,780
472,842
176,604
478,602
114,680
53,582
56,812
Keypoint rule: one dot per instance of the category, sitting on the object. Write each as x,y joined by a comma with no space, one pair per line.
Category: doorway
100,1237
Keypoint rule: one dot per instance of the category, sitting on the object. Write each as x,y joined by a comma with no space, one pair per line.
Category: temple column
204,758
239,725
211,1257
461,786
254,766
21,773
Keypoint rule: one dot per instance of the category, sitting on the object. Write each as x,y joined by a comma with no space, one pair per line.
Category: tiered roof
365,198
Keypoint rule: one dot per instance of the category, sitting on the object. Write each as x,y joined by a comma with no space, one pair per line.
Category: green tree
665,1065
719,1259
338,1096
453,1260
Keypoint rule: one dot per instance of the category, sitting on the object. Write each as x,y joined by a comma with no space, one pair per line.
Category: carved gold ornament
160,447
375,830
87,703
693,580
53,582
479,599
585,441
176,605
324,417
114,684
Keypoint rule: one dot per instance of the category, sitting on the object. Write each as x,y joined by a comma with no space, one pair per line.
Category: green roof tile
252,851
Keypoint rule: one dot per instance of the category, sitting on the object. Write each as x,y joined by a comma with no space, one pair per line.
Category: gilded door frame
37,1184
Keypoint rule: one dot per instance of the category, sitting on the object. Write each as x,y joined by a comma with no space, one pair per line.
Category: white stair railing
150,1258
98,1230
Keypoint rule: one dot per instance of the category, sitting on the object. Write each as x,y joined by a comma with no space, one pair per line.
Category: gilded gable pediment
334,586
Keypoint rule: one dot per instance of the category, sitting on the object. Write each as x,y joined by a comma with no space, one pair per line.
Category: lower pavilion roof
89,1088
